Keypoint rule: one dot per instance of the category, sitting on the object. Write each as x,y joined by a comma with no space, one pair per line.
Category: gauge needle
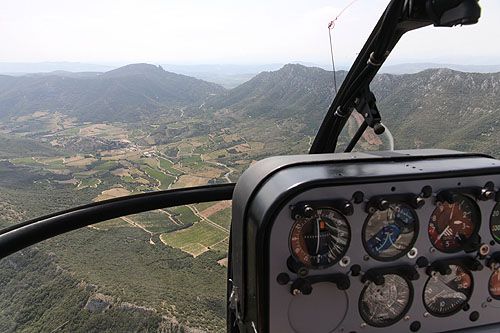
434,299
446,231
317,234
451,213
390,213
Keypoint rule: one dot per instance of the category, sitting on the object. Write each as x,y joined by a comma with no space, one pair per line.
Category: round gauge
384,305
452,224
445,295
390,233
320,240
494,284
495,223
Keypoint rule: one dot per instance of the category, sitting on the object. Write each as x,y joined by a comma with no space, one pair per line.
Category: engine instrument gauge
386,304
452,224
445,295
494,284
389,234
320,240
495,223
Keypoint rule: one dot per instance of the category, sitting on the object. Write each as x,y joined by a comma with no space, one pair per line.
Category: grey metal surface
249,183
327,310
280,296
291,180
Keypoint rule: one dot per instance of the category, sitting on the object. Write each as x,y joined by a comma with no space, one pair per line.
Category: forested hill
442,108
128,93
293,91
433,108
289,91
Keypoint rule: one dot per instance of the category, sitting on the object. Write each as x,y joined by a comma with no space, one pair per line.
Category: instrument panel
406,254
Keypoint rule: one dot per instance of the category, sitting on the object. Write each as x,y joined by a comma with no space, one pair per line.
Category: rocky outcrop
98,303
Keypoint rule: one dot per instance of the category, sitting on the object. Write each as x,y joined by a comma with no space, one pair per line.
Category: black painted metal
19,236
399,17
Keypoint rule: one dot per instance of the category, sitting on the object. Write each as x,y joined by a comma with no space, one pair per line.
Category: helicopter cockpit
347,242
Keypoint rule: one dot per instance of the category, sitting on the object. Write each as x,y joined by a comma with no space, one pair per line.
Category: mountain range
21,68
432,108
435,107
412,68
130,92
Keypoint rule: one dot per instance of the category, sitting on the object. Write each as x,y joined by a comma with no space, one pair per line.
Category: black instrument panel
405,254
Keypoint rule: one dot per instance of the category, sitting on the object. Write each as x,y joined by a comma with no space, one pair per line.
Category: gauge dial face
495,223
452,224
386,304
494,284
320,240
444,295
391,233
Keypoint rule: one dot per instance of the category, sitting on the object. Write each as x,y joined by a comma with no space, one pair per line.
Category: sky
224,32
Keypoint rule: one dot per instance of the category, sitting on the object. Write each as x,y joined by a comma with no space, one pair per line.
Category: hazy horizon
225,32
327,66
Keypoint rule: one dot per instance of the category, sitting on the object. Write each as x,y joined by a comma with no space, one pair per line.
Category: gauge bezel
497,297
476,219
400,316
407,249
341,255
447,314
495,208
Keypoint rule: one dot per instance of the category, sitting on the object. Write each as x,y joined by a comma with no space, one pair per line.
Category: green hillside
443,108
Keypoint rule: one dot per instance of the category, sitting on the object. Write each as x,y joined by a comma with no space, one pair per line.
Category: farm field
128,164
96,162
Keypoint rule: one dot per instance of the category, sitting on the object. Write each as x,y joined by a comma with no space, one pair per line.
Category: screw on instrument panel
366,258
295,292
345,261
432,250
489,299
302,271
358,197
308,211
407,318
363,325
412,254
484,249
426,315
